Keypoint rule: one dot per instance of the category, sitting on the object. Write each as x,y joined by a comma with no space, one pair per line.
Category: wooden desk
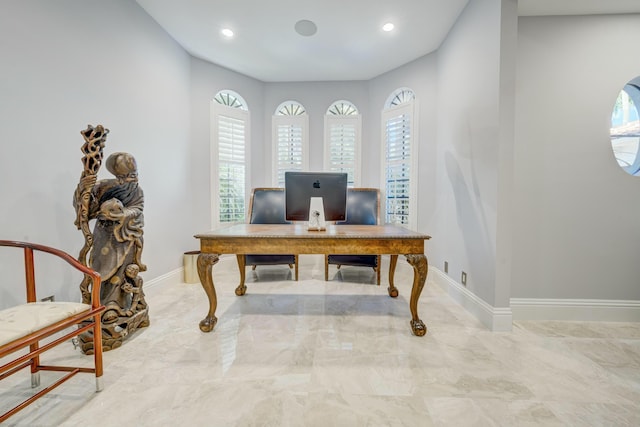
242,239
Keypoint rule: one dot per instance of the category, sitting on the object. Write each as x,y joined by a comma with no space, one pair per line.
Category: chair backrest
363,206
266,206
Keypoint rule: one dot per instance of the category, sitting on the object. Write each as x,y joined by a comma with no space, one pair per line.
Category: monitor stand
316,215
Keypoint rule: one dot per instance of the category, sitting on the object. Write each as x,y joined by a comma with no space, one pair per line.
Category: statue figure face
130,177
111,209
123,166
132,270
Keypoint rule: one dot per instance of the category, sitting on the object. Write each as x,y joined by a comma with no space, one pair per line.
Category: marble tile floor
341,353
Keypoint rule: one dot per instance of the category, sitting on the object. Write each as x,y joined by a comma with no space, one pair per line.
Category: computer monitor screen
300,187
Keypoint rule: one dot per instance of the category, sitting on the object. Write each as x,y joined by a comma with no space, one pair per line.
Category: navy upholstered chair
363,207
266,206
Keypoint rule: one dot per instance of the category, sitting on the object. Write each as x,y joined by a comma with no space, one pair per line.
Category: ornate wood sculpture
115,246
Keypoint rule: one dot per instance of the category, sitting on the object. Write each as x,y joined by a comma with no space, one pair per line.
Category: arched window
230,157
342,130
399,133
290,126
399,97
625,128
230,99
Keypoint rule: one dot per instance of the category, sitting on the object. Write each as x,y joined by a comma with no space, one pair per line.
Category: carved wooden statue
115,246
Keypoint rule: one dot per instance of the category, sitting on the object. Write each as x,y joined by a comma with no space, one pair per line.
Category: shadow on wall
480,252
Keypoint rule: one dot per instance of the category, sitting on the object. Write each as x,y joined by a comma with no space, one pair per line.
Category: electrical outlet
446,267
463,278
50,298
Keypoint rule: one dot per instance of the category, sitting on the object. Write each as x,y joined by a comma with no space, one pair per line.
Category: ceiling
349,43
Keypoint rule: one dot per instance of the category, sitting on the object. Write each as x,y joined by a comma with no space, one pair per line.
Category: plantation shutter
231,168
398,167
342,152
289,150
290,135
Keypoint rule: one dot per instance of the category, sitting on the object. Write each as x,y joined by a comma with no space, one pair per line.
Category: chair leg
97,351
253,267
296,265
35,379
35,366
378,268
326,268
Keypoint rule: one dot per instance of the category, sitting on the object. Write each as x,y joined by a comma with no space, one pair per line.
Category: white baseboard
496,319
575,309
176,277
168,279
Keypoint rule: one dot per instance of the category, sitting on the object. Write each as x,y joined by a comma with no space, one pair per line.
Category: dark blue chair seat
363,208
267,207
355,260
269,260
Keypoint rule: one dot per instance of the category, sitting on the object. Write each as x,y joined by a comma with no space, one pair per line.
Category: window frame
410,109
355,120
243,114
277,120
632,92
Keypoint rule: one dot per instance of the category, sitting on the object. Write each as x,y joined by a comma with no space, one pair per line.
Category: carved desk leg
205,263
393,291
241,289
420,267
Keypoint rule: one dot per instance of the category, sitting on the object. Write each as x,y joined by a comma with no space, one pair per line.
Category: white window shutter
230,164
290,140
399,158
231,172
342,146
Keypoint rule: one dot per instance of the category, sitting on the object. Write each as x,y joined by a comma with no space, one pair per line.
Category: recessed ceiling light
227,32
387,27
306,28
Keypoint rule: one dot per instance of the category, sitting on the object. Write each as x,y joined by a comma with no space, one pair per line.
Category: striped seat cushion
21,320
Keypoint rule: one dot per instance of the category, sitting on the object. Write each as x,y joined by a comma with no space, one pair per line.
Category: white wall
421,77
576,219
316,97
468,147
66,64
206,81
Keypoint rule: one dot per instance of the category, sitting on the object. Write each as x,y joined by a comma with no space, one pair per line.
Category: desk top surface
299,231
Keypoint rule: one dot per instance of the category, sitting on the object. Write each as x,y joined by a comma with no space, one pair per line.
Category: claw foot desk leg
393,291
205,263
420,267
241,289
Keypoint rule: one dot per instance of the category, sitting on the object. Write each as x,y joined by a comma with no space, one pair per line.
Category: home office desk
241,239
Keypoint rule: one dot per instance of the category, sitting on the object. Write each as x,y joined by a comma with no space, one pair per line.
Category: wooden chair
363,207
22,327
267,206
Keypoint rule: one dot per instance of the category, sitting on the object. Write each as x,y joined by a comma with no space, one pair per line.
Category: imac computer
315,197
